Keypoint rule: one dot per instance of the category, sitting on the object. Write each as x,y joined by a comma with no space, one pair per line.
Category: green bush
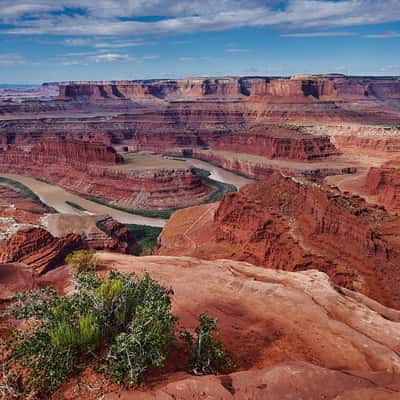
146,238
127,318
82,261
150,332
206,353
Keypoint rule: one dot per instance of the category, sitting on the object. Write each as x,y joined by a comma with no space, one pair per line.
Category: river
56,197
220,174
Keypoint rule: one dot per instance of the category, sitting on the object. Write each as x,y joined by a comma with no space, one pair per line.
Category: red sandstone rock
17,205
293,335
15,278
283,224
294,380
384,182
148,189
98,232
311,87
37,248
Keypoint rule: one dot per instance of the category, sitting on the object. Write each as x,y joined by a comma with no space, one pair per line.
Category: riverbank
56,197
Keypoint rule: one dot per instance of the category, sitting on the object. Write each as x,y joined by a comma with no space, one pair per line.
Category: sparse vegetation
74,205
219,188
44,181
164,214
146,236
219,191
120,323
20,187
82,261
206,353
25,190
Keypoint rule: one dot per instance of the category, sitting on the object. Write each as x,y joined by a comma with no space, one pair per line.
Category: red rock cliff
316,87
384,182
284,224
96,165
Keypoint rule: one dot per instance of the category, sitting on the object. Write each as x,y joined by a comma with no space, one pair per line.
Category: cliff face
384,182
99,176
280,223
18,206
77,154
262,169
316,87
74,152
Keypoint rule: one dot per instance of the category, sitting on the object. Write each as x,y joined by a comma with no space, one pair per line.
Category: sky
60,40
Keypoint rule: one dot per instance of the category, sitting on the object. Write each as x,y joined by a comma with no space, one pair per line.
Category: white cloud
76,42
385,35
236,50
11,59
72,62
121,44
109,57
318,34
115,17
186,59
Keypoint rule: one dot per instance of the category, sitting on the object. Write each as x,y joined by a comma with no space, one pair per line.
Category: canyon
288,224
33,234
300,265
92,169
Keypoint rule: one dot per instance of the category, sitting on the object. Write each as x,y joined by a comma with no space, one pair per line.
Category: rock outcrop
99,232
293,335
20,207
37,248
384,182
94,170
286,224
261,168
295,380
15,278
300,88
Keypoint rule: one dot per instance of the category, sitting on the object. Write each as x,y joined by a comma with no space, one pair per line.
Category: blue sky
55,40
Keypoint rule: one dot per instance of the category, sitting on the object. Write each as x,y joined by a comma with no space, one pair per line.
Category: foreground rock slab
293,335
269,316
285,381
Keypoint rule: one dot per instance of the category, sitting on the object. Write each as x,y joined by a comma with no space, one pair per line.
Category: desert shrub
127,318
149,334
82,261
206,353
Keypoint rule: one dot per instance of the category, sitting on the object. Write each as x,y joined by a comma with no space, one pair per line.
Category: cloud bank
143,17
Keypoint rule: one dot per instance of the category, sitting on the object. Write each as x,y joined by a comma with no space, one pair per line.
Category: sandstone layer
334,87
92,169
99,232
37,248
288,224
305,118
384,183
20,207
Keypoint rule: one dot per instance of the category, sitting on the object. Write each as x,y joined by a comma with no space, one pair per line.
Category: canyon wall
286,224
384,182
312,87
235,114
93,171
260,170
